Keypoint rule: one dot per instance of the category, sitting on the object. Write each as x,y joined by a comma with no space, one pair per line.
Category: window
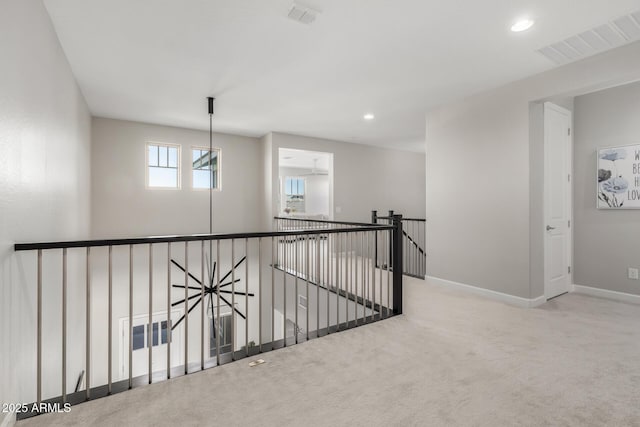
140,335
205,166
163,165
224,329
294,194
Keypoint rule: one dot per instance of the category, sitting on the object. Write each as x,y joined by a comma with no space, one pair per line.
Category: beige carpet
452,359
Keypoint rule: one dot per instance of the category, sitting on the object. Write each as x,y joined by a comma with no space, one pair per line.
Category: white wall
365,178
122,206
606,242
44,179
484,176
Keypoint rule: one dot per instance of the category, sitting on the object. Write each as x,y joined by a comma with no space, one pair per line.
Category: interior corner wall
122,206
45,130
607,242
365,178
482,163
266,152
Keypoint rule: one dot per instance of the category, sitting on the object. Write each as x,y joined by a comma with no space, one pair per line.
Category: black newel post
390,222
397,261
374,220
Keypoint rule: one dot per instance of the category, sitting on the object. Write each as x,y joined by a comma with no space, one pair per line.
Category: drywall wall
122,206
607,242
483,175
364,177
44,187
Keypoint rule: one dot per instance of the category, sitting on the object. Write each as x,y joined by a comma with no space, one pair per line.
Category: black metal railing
414,261
148,309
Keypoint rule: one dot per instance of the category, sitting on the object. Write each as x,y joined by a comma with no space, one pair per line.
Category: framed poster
619,177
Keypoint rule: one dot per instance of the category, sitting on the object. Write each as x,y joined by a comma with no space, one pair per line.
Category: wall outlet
633,273
338,209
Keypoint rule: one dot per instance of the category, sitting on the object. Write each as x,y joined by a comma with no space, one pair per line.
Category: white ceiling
157,60
290,158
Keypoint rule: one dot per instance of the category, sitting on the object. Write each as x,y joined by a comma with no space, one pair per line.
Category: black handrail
192,238
404,219
326,221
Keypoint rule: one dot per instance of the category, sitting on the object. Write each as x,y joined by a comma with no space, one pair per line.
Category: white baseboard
494,295
7,419
605,293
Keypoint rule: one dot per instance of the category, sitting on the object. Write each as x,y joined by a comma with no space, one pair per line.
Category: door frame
568,201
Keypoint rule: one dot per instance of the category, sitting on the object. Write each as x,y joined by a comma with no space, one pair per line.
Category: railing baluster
274,249
339,280
150,323
246,296
260,294
110,324
347,284
233,299
39,329
131,316
216,326
295,301
389,258
308,273
186,307
88,327
203,305
284,291
378,270
328,276
168,310
64,325
318,282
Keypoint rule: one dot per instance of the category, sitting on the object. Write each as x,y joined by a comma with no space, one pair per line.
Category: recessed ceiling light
287,158
369,116
522,25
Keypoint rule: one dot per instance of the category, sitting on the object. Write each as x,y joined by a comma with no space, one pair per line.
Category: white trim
9,419
494,295
605,293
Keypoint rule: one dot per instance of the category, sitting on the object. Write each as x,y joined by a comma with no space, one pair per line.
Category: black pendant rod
210,105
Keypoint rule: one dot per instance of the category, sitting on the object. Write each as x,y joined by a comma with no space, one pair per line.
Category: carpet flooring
453,359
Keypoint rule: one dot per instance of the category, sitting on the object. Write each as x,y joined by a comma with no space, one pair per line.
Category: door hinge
569,178
569,223
569,269
569,132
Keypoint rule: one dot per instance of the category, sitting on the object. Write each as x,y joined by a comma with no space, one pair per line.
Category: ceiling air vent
302,14
608,36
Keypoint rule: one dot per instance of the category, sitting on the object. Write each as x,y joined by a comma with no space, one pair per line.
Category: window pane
163,177
155,334
300,186
287,189
138,337
163,333
153,155
162,152
173,157
201,178
195,155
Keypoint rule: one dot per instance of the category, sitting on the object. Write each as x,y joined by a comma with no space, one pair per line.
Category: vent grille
611,35
302,14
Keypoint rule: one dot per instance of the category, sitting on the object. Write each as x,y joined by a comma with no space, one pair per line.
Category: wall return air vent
616,33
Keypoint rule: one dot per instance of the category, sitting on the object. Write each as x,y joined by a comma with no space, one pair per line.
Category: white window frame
147,165
218,172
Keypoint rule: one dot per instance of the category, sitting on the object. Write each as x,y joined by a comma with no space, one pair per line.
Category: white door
557,200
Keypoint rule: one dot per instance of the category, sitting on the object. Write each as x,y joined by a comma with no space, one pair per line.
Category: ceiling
290,158
157,60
